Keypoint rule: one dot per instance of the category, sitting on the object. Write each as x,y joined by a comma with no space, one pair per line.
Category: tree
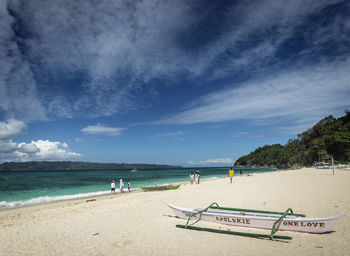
329,136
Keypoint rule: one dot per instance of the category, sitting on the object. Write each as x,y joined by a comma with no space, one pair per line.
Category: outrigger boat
156,188
254,219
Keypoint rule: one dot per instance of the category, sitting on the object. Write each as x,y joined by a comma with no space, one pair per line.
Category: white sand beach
138,223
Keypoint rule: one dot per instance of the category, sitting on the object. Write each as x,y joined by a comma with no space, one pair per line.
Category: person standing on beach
231,172
112,187
197,176
240,172
191,178
121,186
129,186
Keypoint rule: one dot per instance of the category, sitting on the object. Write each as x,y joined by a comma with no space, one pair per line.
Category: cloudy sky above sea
168,82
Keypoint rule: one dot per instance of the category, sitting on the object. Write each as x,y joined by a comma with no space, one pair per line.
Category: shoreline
83,199
140,224
89,197
57,198
134,190
137,190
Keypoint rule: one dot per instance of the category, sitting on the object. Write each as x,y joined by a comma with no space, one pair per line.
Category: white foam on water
211,178
45,199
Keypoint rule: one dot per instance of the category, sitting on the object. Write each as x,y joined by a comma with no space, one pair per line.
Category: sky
190,83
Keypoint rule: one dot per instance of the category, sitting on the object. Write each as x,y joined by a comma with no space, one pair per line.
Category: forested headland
329,136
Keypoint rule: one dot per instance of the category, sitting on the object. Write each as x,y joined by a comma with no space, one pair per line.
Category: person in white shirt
112,187
121,183
191,178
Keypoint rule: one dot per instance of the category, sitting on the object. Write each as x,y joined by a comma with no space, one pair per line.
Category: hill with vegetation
329,136
66,165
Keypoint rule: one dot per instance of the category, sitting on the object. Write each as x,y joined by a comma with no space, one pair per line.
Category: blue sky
192,83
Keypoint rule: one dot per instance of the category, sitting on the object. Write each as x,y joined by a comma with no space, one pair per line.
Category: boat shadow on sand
261,238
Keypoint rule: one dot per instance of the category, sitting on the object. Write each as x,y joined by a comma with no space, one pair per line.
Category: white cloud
111,44
18,93
101,129
299,94
11,128
212,161
36,150
168,134
28,148
117,47
7,146
53,150
278,19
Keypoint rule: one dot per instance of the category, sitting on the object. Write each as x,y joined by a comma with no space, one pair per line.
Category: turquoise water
28,187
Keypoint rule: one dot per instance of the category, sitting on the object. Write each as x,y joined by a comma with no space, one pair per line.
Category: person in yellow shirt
231,172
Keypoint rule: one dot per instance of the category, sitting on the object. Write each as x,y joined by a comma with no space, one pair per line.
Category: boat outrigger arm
289,211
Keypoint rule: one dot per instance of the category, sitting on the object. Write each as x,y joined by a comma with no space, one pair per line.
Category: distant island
72,166
329,136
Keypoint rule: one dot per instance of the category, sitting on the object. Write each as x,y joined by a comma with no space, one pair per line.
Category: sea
19,188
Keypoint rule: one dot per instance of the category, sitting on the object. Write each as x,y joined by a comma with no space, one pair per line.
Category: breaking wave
46,199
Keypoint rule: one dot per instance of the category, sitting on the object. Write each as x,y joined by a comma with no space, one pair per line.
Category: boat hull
262,221
157,188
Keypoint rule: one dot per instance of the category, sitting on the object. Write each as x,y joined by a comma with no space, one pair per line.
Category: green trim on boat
204,210
216,206
257,211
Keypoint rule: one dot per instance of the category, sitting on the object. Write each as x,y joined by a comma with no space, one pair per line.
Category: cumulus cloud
11,128
214,161
35,150
52,150
28,148
41,150
7,146
102,129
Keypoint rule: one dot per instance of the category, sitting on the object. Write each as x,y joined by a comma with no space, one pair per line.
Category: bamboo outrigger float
157,188
254,219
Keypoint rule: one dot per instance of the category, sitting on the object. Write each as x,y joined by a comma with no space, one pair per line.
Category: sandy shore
139,223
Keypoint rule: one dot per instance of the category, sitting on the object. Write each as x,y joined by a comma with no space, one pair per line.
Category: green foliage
329,136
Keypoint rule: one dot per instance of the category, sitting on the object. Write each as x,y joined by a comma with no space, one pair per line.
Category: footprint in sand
120,244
